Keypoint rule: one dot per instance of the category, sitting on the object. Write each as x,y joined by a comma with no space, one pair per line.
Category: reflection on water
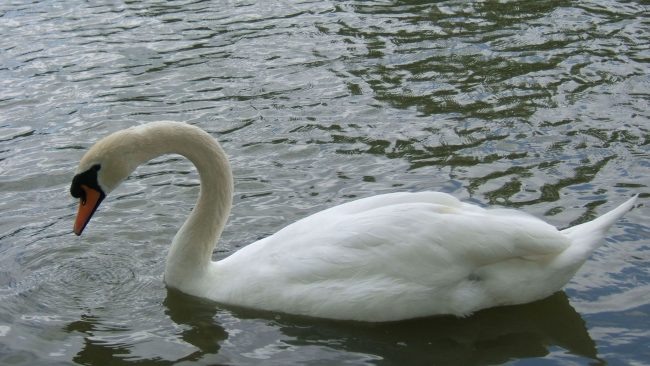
198,315
541,106
489,337
202,332
197,335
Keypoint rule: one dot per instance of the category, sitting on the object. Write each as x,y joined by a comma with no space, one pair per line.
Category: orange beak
87,206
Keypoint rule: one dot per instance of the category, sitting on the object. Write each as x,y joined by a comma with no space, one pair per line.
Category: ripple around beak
73,280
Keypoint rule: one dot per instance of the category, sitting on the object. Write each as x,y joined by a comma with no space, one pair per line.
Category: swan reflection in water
490,336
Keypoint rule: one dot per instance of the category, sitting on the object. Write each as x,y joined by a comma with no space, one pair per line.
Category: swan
383,258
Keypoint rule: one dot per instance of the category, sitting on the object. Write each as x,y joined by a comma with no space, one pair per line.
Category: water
542,106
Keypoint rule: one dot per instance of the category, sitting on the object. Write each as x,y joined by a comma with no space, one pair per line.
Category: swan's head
102,169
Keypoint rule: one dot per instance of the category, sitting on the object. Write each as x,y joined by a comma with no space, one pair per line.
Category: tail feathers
585,238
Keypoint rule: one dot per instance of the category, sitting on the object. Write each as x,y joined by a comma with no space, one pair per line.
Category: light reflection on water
536,105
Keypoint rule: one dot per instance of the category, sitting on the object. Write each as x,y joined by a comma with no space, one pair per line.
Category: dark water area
536,105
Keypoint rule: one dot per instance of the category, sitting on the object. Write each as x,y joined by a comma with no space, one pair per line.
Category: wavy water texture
541,106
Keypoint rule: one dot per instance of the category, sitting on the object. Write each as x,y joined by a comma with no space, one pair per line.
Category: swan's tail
585,238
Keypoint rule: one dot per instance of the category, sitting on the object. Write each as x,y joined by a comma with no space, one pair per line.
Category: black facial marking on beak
86,187
87,178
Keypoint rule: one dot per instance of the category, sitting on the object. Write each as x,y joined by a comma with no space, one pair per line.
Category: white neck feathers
192,246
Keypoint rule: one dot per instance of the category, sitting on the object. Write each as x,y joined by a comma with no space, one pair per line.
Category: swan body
382,258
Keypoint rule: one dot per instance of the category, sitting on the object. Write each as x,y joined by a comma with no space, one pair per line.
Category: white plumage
382,258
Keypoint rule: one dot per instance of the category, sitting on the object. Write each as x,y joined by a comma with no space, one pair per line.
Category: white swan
382,258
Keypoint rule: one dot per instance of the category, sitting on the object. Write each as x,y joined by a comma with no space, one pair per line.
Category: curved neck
192,247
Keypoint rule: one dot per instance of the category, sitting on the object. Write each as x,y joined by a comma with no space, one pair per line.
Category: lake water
537,105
